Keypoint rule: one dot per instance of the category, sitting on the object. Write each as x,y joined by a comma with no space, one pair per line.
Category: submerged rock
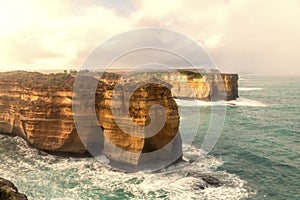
210,180
8,191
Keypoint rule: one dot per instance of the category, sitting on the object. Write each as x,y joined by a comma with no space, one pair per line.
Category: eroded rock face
42,117
209,87
125,138
8,191
38,107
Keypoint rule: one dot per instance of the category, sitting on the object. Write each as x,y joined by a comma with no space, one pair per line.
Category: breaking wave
239,102
43,176
249,88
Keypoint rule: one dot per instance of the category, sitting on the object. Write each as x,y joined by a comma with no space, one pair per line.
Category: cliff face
43,118
127,133
209,87
38,107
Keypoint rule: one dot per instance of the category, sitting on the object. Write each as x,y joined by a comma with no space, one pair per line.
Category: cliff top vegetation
190,74
36,80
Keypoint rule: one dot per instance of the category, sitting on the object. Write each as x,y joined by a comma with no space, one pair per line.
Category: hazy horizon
48,71
244,37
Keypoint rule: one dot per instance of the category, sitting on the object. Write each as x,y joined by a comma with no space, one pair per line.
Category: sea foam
239,102
249,88
45,176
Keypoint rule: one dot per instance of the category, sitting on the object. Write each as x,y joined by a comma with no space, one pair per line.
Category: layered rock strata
205,87
38,107
42,117
125,131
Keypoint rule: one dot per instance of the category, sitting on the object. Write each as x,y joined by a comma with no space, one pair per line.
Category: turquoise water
257,156
262,144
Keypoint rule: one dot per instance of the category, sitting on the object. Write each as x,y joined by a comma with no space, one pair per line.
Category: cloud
57,36
240,35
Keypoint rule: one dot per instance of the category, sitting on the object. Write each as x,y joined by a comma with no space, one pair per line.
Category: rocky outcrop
190,84
207,87
209,180
8,191
126,133
42,117
38,107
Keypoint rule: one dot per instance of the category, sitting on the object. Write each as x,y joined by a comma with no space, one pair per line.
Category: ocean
256,157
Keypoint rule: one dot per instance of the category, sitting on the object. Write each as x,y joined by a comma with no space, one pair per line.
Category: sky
242,36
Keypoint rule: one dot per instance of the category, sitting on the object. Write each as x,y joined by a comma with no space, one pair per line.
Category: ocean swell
43,176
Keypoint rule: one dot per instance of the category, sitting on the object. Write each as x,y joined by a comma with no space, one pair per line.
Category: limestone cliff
191,84
126,133
42,116
38,107
205,87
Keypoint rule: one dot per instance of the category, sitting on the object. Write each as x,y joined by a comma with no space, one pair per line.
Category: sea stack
135,145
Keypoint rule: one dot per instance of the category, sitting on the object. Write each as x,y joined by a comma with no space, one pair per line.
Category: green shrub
190,74
36,80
